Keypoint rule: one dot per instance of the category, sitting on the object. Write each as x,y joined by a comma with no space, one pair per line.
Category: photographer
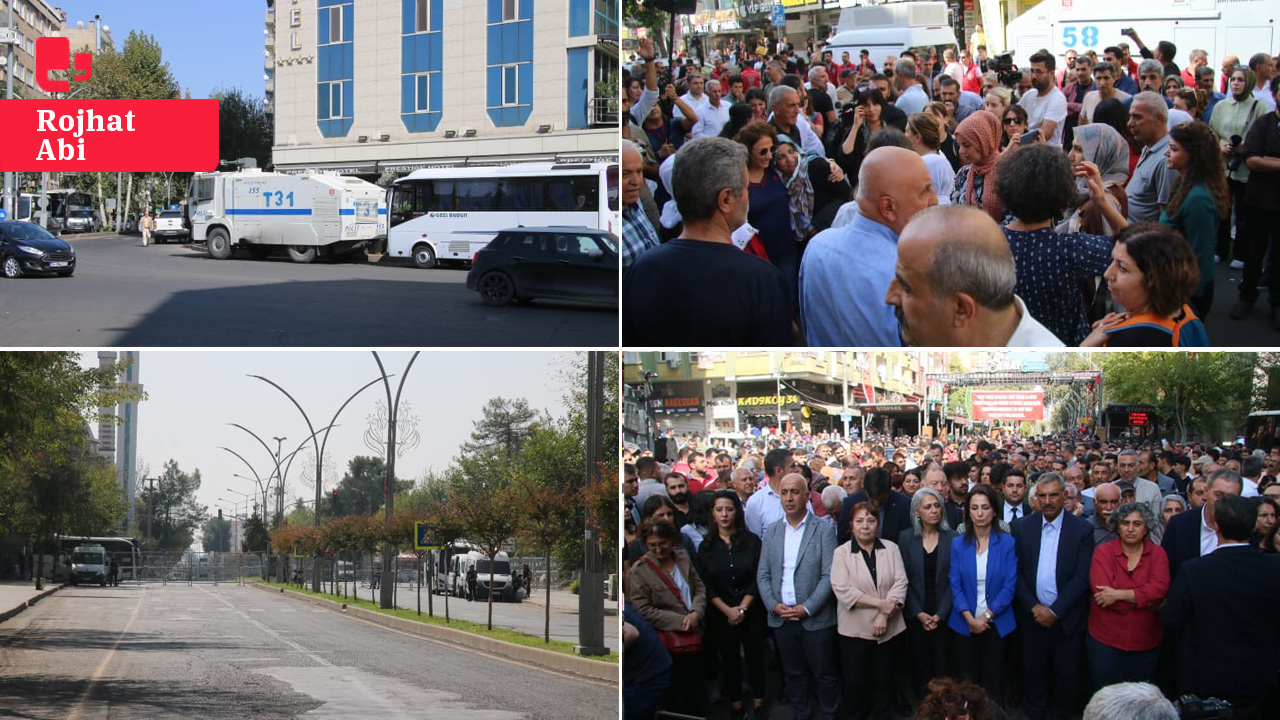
868,113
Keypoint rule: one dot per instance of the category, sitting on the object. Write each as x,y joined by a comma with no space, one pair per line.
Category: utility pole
387,585
591,587
10,190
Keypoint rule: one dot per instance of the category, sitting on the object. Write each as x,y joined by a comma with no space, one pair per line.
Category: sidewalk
17,595
565,601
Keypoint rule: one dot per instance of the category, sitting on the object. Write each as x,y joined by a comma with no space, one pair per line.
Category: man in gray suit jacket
794,578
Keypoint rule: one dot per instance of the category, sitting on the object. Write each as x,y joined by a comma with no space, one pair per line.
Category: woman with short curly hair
1037,188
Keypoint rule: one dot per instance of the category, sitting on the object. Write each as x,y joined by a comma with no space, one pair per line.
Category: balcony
604,111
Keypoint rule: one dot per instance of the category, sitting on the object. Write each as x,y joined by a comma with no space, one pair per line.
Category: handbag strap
674,590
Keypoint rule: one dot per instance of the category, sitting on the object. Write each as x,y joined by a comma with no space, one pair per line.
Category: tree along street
123,294
235,652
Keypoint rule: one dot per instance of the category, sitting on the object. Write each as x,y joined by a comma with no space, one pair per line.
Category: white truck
1219,27
309,215
89,564
504,586
889,29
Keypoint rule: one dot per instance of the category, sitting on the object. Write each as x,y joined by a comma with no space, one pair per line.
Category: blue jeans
1110,666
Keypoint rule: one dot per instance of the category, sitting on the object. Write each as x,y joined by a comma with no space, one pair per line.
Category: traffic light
335,496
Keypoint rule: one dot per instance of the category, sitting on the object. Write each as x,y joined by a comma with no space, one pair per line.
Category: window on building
423,85
510,85
423,16
508,10
335,24
331,103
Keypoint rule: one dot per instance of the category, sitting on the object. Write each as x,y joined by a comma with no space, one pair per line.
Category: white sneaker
1237,264
1217,258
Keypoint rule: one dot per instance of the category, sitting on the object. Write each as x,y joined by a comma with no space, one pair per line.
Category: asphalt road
175,295
149,652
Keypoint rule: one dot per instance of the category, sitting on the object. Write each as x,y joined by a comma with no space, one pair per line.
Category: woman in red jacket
1130,577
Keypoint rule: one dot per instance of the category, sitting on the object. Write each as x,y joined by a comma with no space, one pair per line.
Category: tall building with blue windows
394,85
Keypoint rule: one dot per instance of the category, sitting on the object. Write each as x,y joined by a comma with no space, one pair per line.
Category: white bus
449,214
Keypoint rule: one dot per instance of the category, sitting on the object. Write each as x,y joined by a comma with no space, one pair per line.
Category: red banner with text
108,135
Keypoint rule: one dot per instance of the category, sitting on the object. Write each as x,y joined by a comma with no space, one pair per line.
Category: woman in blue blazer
984,575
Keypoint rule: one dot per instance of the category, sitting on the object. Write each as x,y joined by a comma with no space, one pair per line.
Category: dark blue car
28,249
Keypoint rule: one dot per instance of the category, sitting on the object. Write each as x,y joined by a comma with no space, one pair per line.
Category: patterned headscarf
799,191
982,130
1105,147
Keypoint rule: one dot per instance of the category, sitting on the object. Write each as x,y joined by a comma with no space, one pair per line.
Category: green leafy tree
544,506
244,128
1208,392
361,490
503,429
174,512
215,535
655,21
256,536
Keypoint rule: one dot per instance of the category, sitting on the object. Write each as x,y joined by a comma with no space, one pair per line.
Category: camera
1002,65
1234,161
1191,707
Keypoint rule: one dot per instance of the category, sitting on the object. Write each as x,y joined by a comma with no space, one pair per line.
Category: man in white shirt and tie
1015,493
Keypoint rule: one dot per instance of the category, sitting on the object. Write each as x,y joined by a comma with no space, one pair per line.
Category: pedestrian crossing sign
422,538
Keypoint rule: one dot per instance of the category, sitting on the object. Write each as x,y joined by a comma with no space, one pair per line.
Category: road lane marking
102,666
315,658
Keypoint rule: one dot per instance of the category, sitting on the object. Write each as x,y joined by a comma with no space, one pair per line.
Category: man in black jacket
1190,534
893,508
1225,604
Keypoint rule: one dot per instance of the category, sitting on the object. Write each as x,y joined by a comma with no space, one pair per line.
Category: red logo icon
53,54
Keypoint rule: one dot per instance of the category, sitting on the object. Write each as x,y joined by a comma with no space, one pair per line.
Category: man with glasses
1045,104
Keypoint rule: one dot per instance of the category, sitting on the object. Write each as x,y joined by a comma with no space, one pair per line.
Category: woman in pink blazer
870,586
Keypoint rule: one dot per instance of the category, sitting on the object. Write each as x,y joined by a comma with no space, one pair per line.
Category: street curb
559,662
14,611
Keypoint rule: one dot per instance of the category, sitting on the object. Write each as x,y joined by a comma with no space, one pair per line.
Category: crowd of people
1088,203
899,575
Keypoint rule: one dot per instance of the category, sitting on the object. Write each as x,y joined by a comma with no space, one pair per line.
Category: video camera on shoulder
1006,72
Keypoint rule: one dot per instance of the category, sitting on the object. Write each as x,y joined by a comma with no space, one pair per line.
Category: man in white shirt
1104,76
1250,475
695,98
1263,67
1045,104
954,282
713,114
765,506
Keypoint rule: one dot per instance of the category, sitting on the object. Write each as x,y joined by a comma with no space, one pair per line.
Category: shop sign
753,8
800,3
766,400
716,21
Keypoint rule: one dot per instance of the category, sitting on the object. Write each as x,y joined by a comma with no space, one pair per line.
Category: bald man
953,284
846,271
793,578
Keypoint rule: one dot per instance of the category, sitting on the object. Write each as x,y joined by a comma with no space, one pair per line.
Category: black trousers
805,654
929,653
867,669
1259,232
688,691
734,642
980,658
1050,653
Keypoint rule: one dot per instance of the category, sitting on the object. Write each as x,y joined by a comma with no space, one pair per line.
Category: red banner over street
108,135
1008,405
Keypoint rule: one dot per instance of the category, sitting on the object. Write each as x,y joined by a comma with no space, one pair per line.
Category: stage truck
309,216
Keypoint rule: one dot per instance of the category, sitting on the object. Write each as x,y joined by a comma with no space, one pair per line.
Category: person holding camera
1231,119
858,120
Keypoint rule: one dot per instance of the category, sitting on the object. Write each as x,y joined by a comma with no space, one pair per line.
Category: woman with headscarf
1103,146
816,187
979,139
1231,119
1113,112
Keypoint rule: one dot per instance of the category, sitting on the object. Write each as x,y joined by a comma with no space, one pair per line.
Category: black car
28,249
543,262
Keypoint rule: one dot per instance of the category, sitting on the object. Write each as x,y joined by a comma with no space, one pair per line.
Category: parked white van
889,29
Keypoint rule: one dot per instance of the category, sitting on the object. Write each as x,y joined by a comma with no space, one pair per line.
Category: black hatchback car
547,262
28,249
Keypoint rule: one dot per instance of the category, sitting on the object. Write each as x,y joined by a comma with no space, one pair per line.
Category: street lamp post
386,592
319,449
591,588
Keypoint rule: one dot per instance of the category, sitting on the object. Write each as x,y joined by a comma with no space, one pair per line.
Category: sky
192,395
207,45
